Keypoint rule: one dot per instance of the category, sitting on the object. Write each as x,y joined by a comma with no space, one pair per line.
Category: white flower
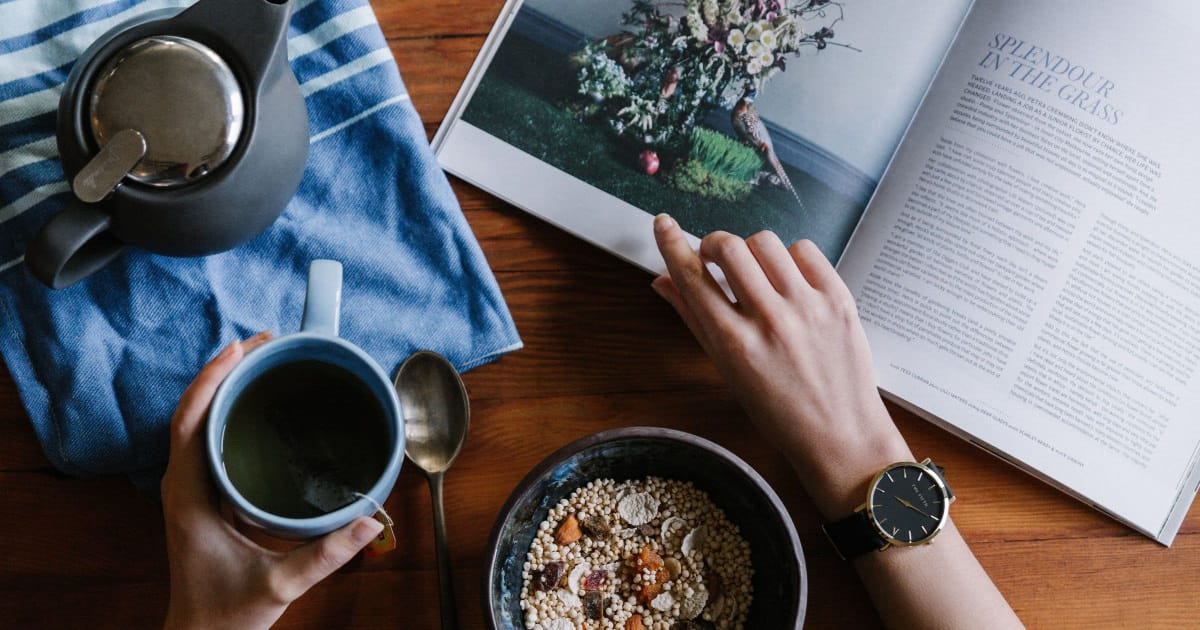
755,49
711,10
754,32
736,39
769,40
754,66
766,59
733,17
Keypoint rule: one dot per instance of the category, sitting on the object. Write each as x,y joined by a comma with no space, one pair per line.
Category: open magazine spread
1003,188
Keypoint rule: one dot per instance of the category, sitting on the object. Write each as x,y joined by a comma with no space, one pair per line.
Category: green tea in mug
303,438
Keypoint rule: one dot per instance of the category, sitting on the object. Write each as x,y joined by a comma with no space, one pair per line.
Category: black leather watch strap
854,535
942,473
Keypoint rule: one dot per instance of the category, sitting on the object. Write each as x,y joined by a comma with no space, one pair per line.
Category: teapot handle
72,246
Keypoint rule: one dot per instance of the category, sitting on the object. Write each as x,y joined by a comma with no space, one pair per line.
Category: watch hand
910,506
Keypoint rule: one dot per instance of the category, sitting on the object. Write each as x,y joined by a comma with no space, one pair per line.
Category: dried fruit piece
638,509
712,581
673,567
635,623
593,605
647,559
596,527
646,529
568,532
595,580
649,592
548,578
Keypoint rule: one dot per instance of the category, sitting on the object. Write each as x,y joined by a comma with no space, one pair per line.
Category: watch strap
854,535
941,472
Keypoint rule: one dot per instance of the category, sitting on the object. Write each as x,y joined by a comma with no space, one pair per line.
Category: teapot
182,133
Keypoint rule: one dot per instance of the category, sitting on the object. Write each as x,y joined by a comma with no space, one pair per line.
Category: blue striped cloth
100,365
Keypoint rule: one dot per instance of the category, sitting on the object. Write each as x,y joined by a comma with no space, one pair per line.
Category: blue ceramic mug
316,343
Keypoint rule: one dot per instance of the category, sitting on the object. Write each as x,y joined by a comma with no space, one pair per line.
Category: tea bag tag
386,540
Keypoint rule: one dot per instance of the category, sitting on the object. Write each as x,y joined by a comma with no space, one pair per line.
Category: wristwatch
907,504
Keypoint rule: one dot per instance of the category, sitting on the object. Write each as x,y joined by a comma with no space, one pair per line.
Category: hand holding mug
219,577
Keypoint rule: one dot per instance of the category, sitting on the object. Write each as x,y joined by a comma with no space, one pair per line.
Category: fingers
187,475
669,292
814,265
704,298
743,271
777,264
308,564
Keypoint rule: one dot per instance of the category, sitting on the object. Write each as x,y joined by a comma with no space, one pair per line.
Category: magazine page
739,115
1027,271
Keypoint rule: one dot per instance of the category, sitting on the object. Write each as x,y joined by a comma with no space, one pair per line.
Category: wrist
837,471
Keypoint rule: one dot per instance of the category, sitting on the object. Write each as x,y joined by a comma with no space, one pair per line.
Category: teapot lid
181,96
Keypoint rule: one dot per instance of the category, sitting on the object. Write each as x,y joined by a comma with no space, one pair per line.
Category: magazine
1003,185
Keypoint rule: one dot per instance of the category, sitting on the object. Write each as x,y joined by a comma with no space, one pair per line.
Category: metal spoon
436,416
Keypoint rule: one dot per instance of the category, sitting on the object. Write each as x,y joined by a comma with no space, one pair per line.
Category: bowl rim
525,486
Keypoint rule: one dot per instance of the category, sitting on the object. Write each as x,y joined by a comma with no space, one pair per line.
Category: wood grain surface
601,351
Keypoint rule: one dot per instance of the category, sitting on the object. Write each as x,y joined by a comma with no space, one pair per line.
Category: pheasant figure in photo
751,130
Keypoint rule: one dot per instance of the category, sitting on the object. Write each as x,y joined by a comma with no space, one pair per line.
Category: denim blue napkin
100,365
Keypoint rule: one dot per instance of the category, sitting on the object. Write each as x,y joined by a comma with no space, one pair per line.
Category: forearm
939,585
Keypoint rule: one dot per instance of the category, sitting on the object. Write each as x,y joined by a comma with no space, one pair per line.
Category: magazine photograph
718,112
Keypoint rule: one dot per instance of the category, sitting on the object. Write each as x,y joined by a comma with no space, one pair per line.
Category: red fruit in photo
649,162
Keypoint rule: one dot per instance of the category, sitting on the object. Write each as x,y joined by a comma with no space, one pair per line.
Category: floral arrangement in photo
678,60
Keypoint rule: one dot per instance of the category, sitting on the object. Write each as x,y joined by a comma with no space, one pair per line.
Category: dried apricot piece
568,532
647,559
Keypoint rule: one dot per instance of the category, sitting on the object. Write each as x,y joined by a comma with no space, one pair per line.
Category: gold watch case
942,489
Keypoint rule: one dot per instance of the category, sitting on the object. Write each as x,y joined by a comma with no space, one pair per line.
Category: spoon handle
445,579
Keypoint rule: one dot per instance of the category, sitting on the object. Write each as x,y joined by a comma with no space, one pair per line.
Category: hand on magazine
219,577
793,350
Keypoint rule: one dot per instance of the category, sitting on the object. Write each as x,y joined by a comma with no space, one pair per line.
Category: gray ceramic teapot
182,133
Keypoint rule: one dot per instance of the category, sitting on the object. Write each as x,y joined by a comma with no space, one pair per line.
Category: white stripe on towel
31,199
363,63
15,158
353,119
330,30
12,263
65,47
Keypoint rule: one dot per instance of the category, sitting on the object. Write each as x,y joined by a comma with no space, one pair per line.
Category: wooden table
601,351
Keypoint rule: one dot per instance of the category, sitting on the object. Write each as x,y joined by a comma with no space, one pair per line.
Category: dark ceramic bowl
780,582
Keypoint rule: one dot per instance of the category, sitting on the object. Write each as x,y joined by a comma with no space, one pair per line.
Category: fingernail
228,350
657,286
366,530
663,222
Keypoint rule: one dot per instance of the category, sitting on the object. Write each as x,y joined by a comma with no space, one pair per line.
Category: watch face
908,504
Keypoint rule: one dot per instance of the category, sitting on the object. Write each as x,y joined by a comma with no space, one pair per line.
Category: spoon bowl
437,414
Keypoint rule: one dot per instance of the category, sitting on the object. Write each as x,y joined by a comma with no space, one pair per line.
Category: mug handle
72,246
323,299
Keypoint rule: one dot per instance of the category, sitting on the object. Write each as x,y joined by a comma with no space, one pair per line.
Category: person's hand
793,350
219,577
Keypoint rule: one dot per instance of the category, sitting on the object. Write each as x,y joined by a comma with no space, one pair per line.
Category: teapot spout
250,33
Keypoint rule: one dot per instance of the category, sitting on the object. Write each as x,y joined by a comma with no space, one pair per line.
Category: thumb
310,563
